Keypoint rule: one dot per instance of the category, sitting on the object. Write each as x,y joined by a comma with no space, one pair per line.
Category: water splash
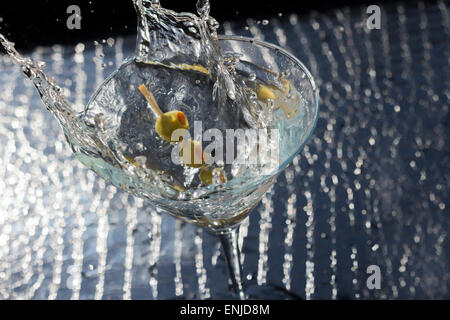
178,56
79,138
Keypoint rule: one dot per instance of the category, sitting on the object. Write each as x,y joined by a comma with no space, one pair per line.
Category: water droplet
218,176
41,64
140,146
110,42
141,160
99,122
79,48
265,22
293,20
203,8
231,94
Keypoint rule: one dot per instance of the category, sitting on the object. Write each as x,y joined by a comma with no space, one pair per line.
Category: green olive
206,175
170,121
196,157
264,93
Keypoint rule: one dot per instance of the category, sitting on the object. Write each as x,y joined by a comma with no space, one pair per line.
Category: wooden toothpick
150,98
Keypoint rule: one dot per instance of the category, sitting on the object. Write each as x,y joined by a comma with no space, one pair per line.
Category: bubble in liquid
265,22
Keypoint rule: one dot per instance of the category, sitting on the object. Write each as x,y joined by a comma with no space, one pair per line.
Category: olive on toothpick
167,122
191,152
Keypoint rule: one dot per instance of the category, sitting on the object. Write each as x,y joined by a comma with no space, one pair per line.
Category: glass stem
230,245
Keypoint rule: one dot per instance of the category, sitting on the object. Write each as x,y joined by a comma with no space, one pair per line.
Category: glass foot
256,292
247,290
269,292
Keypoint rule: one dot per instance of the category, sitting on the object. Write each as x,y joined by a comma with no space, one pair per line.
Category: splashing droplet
110,42
203,8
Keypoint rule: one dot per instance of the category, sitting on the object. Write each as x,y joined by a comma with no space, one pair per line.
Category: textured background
371,187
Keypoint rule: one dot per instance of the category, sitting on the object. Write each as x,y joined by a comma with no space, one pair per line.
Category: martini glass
123,115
